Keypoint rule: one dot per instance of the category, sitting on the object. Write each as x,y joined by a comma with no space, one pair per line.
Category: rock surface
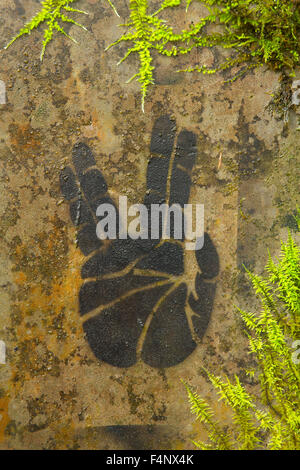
54,392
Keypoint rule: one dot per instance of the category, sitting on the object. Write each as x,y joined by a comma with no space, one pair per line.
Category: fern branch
52,14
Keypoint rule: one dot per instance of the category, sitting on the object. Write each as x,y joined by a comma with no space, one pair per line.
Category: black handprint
136,300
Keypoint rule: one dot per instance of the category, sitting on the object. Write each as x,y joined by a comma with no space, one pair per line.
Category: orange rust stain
4,418
23,139
40,309
20,277
64,435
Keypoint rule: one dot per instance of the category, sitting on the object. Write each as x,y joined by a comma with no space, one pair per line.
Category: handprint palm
136,301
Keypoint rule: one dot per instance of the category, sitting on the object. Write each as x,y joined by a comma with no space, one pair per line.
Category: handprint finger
179,182
85,191
208,259
83,158
185,156
68,184
91,180
161,148
203,305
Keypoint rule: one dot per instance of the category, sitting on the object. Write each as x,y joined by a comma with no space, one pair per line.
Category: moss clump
260,32
282,99
264,32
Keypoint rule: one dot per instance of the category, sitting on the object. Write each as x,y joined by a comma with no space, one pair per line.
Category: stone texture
54,393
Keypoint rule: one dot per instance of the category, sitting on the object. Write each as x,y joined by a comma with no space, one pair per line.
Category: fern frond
147,33
271,420
52,14
204,414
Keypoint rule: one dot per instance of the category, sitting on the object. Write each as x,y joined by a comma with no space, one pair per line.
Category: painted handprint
137,301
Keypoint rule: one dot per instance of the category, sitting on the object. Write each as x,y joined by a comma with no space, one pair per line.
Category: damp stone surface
99,336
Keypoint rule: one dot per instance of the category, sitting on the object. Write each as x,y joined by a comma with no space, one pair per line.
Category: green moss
264,32
52,14
258,33
282,99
